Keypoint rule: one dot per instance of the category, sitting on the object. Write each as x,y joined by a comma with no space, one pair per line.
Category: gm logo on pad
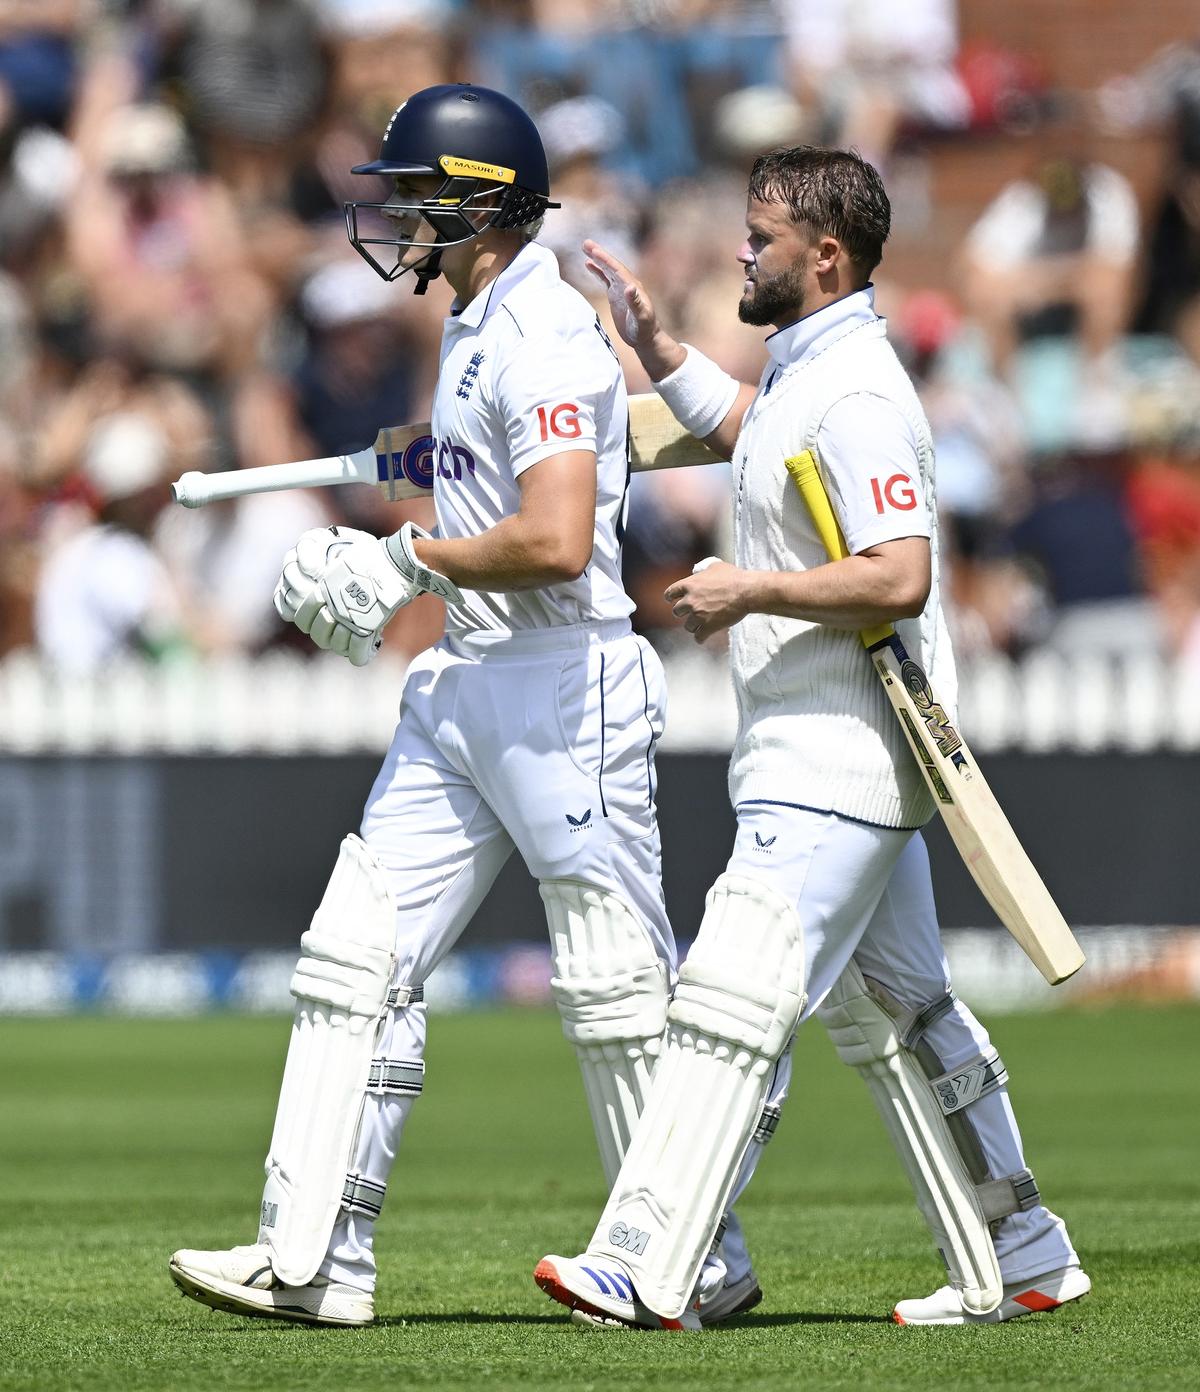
629,1239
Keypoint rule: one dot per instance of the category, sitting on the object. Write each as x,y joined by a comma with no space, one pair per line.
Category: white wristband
698,393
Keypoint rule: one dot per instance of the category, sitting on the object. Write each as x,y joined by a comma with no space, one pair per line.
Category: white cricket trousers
865,892
541,740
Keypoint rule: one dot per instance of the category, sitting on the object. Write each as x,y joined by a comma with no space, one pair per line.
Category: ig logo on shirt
561,421
897,492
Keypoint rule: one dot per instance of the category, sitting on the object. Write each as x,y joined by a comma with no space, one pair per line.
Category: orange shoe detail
546,1276
899,1319
1035,1300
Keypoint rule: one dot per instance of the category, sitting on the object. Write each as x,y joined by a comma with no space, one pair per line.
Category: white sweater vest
815,727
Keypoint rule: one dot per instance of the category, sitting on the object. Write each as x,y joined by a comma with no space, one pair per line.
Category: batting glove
341,587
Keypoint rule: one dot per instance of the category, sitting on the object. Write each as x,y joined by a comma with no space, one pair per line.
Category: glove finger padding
324,625
364,648
286,601
307,604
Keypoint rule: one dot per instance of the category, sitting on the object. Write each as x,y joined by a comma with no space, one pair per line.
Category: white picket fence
288,704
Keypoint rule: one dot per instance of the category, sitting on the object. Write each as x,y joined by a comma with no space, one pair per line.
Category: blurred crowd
177,291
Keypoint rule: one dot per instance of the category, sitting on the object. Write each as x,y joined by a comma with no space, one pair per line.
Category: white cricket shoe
598,1291
731,1298
240,1281
1046,1292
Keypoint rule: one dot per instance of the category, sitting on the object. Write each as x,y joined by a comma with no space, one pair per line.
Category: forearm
853,593
512,555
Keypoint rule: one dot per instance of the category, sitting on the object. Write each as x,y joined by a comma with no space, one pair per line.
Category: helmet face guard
445,212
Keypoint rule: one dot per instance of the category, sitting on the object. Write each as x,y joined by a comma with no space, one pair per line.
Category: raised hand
632,308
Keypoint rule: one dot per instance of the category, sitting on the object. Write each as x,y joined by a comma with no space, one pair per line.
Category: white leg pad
738,1002
866,1036
341,990
611,989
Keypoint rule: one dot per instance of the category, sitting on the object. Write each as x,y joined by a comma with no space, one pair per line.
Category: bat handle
195,489
807,478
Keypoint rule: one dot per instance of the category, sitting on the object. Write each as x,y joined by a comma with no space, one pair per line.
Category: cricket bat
974,819
401,462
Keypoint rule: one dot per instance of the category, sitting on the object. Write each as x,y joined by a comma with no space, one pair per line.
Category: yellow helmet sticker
473,169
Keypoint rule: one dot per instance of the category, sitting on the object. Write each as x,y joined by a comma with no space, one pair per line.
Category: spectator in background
357,373
1079,535
225,558
981,461
1171,295
1163,500
754,119
37,56
18,356
37,169
104,593
253,77
1166,95
116,386
160,253
384,50
870,67
1053,254
19,547
579,134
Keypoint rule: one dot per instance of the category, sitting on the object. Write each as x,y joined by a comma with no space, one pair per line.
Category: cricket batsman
531,724
826,905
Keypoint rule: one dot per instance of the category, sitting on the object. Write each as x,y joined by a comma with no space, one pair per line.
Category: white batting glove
298,593
342,586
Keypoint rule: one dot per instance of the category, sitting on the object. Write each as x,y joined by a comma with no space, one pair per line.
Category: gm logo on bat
422,458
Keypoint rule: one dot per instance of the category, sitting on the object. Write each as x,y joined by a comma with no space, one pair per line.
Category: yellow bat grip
807,478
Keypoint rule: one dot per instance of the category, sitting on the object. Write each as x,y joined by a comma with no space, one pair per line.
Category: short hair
834,192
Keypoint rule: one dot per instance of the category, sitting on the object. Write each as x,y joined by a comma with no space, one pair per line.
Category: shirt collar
808,336
532,266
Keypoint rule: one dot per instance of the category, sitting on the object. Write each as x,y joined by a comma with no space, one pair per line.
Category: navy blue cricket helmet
479,141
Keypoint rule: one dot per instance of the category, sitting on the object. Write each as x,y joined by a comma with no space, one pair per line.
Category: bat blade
976,822
401,462
981,832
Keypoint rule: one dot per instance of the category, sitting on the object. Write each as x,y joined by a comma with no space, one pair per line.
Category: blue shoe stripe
623,1284
595,1275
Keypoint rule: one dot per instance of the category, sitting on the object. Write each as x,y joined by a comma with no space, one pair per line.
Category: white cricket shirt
816,729
527,372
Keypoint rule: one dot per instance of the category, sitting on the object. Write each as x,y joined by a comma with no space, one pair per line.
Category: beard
777,299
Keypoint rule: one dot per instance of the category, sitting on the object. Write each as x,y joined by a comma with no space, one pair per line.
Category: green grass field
120,1140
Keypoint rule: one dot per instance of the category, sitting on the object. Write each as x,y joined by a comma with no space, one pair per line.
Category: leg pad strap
1000,1198
962,1086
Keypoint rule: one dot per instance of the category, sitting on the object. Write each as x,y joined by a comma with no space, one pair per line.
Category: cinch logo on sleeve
561,420
897,492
